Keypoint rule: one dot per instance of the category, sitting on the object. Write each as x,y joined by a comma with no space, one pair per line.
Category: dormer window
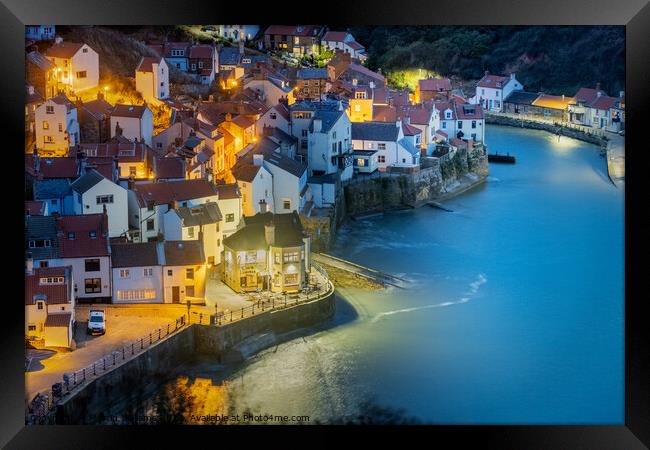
92,234
71,236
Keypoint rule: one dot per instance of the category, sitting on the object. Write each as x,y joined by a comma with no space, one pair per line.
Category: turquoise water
515,314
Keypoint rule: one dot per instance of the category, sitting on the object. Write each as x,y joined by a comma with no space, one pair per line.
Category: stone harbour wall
430,183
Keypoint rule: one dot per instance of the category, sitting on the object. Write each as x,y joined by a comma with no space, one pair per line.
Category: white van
96,322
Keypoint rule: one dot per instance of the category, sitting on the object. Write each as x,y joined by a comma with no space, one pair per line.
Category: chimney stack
269,233
487,72
263,207
58,40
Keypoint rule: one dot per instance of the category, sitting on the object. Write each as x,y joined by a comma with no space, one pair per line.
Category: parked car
96,322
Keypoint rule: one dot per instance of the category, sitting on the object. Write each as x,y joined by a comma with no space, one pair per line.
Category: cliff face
390,191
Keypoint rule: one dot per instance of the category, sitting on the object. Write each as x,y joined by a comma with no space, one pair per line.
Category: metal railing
44,401
39,409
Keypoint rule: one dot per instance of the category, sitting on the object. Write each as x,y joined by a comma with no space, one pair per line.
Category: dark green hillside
555,59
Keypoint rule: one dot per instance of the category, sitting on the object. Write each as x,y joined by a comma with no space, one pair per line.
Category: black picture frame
634,14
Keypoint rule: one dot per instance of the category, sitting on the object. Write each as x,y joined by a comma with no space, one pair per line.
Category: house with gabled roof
94,119
49,305
230,204
152,78
79,241
184,271
344,41
132,122
77,65
297,39
148,202
271,252
387,138
137,273
492,89
277,117
594,108
432,89
255,183
203,223
94,194
311,83
56,126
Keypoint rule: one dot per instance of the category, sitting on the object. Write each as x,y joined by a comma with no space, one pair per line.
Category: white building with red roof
458,120
594,108
152,78
492,89
77,65
342,40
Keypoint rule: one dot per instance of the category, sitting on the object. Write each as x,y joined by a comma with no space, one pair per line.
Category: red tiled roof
103,164
228,191
171,167
384,113
202,51
365,71
410,130
146,63
442,133
163,193
123,151
61,319
98,107
282,110
335,36
466,111
64,50
604,102
354,45
243,121
83,245
54,293
493,81
34,208
587,94
435,84
121,110
63,167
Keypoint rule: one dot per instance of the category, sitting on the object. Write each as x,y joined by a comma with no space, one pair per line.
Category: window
286,204
170,272
150,206
44,264
48,139
190,232
49,109
360,95
93,285
85,50
482,91
46,125
92,234
51,280
189,274
189,291
54,202
290,279
92,265
276,257
444,125
31,327
200,64
304,133
125,273
290,257
448,115
381,146
150,225
71,235
357,108
193,66
381,159
273,116
147,272
102,199
460,124
178,52
473,123
39,305
40,243
230,217
81,74
60,127
136,294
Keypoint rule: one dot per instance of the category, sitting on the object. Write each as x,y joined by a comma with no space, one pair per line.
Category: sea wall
437,178
574,133
115,392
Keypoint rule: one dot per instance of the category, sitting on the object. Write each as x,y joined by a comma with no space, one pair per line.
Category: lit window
148,272
46,125
125,273
189,274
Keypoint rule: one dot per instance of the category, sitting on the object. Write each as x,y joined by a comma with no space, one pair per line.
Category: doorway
176,294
